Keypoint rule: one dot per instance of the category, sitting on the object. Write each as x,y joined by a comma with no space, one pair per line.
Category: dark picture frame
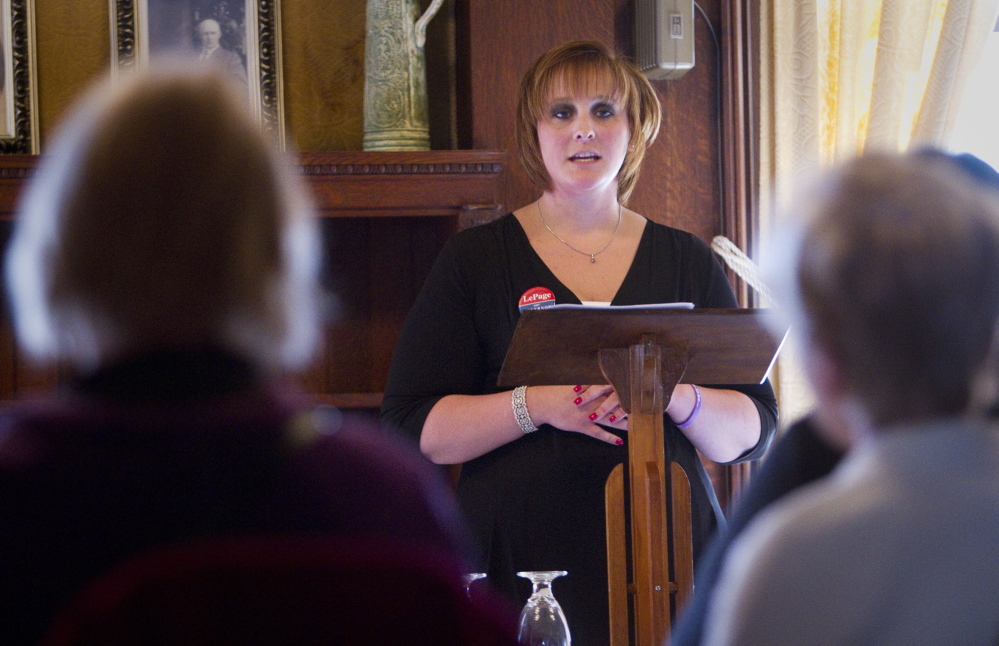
18,94
247,29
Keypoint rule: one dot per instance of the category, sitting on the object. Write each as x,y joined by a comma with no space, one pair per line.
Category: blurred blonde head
893,274
584,66
164,217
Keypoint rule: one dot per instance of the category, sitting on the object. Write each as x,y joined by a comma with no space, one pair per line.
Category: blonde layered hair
164,217
586,66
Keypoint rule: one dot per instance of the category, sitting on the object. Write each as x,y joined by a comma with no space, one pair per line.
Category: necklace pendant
593,256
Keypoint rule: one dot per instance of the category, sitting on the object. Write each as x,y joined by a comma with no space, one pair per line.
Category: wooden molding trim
378,167
461,183
740,192
15,171
739,166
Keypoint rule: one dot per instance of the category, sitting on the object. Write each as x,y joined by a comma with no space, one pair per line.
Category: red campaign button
536,298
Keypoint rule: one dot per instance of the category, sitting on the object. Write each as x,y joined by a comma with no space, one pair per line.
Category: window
977,127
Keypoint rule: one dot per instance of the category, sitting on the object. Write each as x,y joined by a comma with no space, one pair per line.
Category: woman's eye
604,112
561,113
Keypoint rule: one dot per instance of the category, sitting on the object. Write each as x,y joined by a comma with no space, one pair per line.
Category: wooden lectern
644,352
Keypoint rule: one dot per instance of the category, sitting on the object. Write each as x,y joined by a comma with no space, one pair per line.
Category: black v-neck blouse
538,503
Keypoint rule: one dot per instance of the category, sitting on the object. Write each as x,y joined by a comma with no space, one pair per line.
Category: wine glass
469,578
542,622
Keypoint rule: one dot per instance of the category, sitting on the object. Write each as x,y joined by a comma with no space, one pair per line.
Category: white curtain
842,76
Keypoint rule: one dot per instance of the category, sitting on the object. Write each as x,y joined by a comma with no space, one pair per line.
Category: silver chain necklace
593,256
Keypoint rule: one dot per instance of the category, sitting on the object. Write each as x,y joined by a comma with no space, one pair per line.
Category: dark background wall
476,52
497,41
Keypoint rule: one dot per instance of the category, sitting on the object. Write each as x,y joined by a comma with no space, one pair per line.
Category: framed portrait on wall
241,38
18,102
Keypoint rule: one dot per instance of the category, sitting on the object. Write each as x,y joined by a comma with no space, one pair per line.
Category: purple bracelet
697,409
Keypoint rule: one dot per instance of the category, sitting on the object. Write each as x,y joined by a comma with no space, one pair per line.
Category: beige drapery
842,76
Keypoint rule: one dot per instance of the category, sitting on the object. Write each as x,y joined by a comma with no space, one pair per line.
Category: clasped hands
580,409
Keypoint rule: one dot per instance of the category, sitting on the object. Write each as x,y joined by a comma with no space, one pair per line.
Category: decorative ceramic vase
395,76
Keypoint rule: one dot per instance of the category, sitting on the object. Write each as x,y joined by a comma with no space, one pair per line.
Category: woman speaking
535,459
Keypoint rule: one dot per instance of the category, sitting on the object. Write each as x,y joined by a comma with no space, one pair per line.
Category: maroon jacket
179,446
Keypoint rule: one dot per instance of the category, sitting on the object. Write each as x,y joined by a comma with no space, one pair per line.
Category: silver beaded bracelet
519,403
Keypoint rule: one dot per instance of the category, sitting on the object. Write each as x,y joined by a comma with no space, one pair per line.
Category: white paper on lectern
647,306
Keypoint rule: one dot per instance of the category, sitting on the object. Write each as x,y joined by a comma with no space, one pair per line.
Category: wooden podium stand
644,353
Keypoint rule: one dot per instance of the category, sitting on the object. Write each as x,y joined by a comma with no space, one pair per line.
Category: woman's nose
584,131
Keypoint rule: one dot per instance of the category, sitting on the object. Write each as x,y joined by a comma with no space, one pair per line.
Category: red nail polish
593,417
577,401
612,418
619,442
577,388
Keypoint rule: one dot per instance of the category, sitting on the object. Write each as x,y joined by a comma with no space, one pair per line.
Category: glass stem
543,588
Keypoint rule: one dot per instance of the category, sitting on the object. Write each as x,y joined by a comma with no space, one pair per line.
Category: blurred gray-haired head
891,267
164,216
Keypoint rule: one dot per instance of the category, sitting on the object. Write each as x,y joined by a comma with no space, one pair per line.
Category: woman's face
583,136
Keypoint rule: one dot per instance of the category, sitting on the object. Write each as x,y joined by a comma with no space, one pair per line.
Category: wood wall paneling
740,137
386,216
679,183
323,50
501,40
476,53
442,68
73,48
